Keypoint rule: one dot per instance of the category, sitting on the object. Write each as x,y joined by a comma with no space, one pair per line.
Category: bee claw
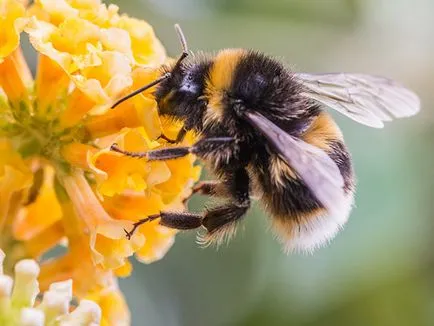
128,234
115,148
167,139
150,218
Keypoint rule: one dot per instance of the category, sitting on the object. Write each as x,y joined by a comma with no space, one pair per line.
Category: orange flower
59,182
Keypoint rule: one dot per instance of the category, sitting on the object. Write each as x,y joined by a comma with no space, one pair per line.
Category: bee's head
181,93
180,87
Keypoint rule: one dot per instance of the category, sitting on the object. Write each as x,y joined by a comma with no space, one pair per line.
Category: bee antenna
142,89
184,46
184,55
181,37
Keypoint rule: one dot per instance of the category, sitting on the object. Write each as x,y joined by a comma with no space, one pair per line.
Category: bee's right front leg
201,148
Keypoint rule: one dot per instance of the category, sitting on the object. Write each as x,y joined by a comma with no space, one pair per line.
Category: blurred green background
380,269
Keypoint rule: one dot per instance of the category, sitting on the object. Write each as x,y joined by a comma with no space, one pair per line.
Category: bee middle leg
208,188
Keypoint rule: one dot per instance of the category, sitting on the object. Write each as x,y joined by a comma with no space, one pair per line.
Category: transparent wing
369,100
314,167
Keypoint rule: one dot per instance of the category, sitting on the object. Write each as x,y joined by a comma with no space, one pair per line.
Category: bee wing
369,100
314,167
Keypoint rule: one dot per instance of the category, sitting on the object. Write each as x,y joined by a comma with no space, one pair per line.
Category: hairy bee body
263,131
236,79
301,222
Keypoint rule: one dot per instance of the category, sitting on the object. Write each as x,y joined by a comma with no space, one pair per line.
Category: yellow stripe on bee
322,131
223,68
165,100
280,172
220,81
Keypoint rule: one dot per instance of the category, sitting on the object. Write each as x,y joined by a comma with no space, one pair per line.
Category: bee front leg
201,147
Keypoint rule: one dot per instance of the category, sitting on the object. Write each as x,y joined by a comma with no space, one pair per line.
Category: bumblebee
263,130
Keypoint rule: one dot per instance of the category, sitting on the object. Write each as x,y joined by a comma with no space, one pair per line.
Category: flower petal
122,172
12,23
15,175
16,78
159,240
55,10
34,218
114,307
133,206
50,76
146,48
108,243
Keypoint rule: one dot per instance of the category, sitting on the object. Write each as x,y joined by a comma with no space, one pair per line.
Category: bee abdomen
299,220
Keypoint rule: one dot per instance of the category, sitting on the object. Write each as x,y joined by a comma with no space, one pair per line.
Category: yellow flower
19,304
59,182
12,22
112,303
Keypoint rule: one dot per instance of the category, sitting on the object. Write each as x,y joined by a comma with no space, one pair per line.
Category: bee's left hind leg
219,221
173,220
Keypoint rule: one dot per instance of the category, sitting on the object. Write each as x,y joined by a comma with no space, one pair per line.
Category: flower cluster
19,306
60,185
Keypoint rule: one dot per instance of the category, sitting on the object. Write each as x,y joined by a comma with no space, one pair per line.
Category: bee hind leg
173,220
221,221
150,218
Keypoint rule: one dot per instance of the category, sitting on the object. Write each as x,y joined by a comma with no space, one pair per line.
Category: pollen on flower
60,185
